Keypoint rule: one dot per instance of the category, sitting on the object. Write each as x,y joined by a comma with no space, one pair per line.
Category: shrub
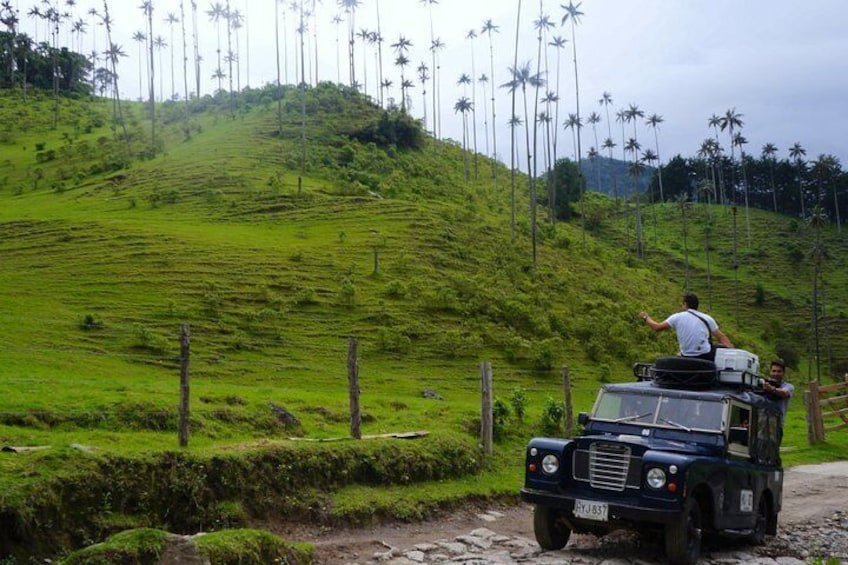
760,295
395,289
347,293
543,360
518,401
89,322
552,416
500,418
391,340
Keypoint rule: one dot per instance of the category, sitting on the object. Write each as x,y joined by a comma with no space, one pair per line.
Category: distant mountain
616,174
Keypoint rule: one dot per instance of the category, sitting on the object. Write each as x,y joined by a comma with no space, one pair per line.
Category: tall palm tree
483,80
730,121
171,20
471,35
436,46
401,48
489,28
337,19
797,153
573,14
141,38
364,34
424,76
768,154
160,45
632,146
464,105
147,8
237,22
715,122
557,43
196,44
513,120
113,54
654,120
648,156
521,78
606,101
186,129
379,40
740,141
216,13
594,119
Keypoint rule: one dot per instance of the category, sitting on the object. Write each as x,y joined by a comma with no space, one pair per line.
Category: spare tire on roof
684,372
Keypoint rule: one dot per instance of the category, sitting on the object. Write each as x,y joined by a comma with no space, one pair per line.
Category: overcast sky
782,65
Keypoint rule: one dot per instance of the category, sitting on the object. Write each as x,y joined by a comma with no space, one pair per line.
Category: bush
500,418
552,416
89,322
518,400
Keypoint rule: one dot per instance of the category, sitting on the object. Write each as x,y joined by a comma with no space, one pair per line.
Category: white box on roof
736,360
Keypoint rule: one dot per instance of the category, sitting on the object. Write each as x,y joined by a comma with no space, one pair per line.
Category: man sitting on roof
694,329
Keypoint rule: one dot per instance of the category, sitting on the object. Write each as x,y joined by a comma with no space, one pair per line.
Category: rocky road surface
813,525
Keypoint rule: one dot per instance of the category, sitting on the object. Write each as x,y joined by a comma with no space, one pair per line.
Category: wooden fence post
185,412
816,413
486,423
353,389
569,409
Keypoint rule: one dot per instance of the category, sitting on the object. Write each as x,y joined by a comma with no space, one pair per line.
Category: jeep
690,448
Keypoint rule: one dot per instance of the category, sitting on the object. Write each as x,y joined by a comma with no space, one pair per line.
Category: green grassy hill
274,262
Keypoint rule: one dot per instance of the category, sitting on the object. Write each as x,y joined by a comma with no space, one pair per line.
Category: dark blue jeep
686,450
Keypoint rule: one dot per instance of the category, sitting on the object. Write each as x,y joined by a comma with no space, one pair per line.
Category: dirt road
811,493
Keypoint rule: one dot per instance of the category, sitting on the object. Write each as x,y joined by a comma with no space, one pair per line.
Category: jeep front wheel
551,532
683,538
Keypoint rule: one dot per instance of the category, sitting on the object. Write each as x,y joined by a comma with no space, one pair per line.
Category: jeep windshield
659,410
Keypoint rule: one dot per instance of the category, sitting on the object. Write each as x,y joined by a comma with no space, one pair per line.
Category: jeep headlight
656,478
550,464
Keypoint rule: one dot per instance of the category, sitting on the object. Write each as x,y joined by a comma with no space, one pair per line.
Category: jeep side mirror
583,418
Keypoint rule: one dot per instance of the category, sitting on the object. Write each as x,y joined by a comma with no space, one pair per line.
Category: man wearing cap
777,389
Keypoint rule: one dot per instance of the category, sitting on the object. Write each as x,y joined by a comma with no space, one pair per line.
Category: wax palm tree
649,157
797,153
171,20
740,141
514,123
521,78
401,47
424,76
216,13
279,71
483,80
337,19
573,123
379,41
436,46
730,121
632,146
141,38
489,28
364,34
147,9
715,122
113,54
160,44
471,35
573,15
236,22
464,106
606,101
654,120
557,43
196,46
513,118
594,119
551,101
768,153
186,129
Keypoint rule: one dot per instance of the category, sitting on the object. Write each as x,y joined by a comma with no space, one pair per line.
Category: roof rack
692,373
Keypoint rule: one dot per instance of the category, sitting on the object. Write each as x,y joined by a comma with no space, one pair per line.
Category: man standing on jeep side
777,389
694,329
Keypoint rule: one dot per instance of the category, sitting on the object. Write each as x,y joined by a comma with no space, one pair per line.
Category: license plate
591,510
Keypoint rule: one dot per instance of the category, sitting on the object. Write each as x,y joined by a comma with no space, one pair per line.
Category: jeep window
663,411
739,430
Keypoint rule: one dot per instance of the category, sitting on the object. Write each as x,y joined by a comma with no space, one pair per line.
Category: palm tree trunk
186,131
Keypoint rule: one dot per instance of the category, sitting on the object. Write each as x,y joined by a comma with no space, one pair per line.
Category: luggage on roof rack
735,367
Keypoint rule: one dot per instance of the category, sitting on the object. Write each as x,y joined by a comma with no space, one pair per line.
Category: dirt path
810,493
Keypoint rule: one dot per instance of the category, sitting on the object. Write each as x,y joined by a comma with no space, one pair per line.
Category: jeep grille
609,464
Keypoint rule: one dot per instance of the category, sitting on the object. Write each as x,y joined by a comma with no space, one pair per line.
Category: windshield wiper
675,424
635,417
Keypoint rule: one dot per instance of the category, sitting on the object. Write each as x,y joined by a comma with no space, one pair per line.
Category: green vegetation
275,262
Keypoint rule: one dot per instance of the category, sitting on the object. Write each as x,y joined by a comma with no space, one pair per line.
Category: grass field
101,264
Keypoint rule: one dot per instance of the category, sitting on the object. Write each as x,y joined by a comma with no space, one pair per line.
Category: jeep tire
551,531
758,535
683,538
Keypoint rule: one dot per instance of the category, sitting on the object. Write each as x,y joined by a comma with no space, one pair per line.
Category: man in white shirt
694,329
